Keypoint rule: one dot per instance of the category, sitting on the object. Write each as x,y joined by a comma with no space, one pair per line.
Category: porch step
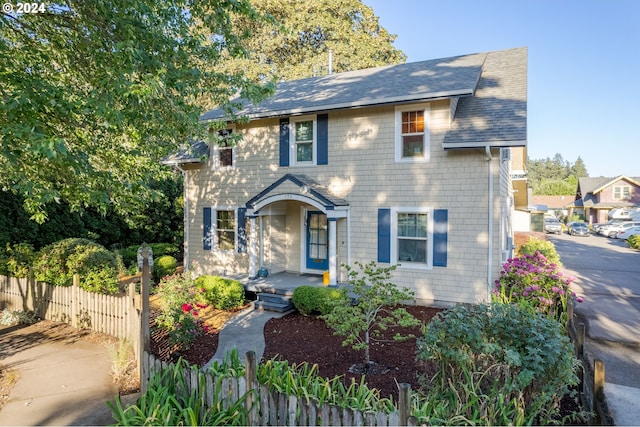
273,299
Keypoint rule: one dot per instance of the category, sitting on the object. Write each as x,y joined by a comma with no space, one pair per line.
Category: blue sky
584,66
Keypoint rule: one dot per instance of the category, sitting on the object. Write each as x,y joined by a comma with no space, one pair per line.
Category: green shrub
545,247
501,353
97,267
315,300
16,260
222,293
130,253
166,265
634,241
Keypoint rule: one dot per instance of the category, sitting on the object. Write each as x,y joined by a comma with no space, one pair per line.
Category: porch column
333,268
253,248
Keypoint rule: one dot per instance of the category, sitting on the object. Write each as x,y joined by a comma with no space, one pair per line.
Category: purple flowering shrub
532,281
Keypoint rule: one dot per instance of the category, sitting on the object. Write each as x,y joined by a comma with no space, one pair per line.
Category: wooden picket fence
591,375
271,408
113,315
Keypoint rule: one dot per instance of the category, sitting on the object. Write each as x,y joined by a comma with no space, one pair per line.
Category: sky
583,66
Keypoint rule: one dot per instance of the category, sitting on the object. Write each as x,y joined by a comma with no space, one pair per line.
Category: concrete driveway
608,277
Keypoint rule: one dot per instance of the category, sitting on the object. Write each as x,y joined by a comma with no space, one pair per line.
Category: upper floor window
412,133
303,141
622,193
224,151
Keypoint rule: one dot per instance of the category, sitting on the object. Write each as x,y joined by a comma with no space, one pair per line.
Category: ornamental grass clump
532,281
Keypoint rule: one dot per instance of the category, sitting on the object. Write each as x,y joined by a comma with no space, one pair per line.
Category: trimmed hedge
223,294
634,241
315,300
166,265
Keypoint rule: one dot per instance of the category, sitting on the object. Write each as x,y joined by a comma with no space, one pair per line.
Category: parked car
631,231
612,230
578,229
598,227
552,225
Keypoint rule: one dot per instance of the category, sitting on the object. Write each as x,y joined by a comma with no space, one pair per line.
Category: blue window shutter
323,139
284,142
242,230
440,237
207,234
384,235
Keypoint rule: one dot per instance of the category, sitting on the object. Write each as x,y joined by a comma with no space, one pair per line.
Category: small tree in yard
374,312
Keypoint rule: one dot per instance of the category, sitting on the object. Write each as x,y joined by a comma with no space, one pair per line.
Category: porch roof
306,187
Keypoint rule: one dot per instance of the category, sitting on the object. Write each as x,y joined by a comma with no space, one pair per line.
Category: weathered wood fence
591,374
117,316
271,408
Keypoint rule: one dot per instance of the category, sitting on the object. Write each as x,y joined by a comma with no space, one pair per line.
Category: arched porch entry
294,226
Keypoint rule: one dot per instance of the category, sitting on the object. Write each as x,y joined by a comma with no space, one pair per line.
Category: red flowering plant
179,303
532,281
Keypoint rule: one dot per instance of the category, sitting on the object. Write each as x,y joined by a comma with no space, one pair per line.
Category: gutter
487,150
186,214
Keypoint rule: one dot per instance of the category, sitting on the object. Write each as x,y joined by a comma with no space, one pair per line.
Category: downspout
186,215
490,225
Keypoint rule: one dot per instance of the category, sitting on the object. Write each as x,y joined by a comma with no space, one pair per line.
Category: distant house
597,197
553,205
407,165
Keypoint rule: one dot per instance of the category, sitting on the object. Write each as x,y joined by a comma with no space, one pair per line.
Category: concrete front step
273,299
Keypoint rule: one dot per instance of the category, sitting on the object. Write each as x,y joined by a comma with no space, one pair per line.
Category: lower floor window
412,237
225,230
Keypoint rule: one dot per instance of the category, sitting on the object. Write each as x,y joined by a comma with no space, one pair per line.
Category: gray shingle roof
317,190
197,152
417,81
497,113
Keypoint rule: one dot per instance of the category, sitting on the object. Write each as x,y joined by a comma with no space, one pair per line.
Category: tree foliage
95,93
158,221
297,46
375,311
556,176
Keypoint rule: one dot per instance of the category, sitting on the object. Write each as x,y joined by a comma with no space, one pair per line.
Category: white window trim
621,190
214,229
427,133
394,238
292,141
216,152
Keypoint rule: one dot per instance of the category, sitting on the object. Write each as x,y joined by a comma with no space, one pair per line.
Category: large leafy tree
298,45
555,176
95,93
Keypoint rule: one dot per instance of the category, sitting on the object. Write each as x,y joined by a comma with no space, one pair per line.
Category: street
607,275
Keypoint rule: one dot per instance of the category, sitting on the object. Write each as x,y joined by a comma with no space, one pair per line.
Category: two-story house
406,165
597,197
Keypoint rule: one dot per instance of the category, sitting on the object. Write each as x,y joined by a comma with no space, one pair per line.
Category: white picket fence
113,315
